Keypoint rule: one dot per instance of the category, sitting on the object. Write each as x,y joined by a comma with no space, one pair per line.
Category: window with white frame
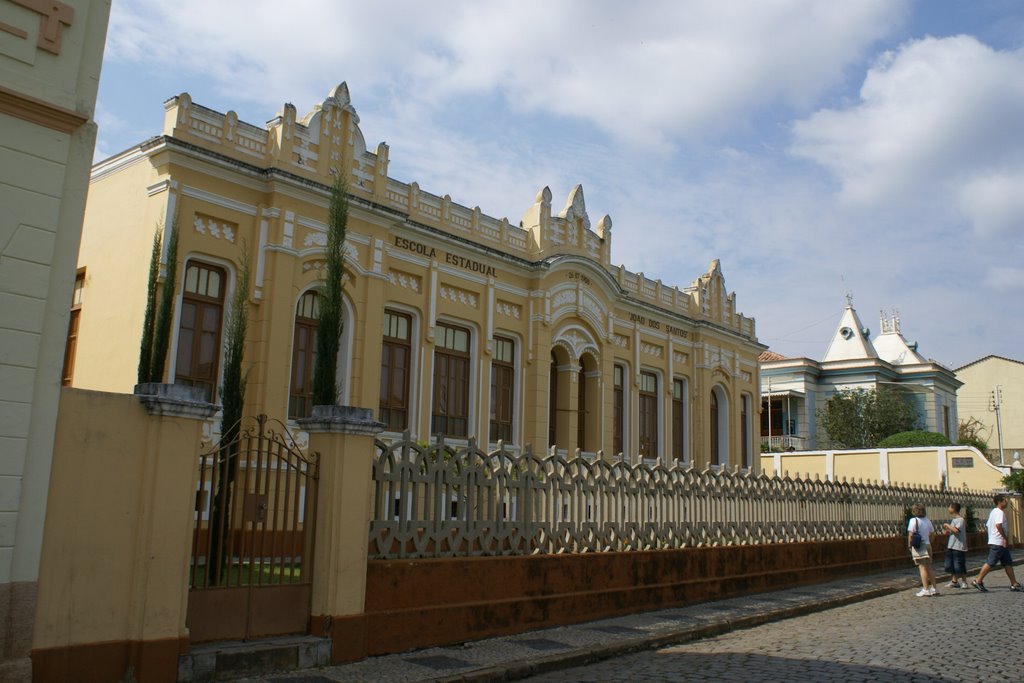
503,374
648,404
450,407
395,371
199,328
300,392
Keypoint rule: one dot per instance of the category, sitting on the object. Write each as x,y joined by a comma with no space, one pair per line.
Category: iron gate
252,544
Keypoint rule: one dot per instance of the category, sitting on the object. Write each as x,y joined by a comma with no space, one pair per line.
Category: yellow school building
456,323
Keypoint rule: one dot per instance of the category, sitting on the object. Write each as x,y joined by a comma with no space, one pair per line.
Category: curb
515,671
511,672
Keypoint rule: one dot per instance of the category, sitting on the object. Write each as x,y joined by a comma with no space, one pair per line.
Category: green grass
248,574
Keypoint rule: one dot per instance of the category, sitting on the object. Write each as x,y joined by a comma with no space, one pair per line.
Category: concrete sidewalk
512,657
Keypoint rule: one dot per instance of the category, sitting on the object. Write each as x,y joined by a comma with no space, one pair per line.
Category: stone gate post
343,436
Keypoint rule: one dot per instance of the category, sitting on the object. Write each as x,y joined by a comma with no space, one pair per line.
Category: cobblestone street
960,635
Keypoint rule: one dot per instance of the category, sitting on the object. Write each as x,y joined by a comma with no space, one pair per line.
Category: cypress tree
162,328
146,346
232,396
232,392
331,316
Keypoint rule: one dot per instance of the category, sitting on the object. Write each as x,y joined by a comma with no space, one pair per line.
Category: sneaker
923,593
963,583
932,591
979,585
953,584
1016,588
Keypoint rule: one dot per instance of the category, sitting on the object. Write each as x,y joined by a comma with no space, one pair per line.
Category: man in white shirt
998,546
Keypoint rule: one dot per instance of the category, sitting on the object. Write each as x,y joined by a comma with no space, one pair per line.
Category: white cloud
938,124
643,73
995,204
1005,279
665,112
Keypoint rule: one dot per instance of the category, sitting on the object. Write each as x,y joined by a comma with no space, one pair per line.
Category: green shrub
914,438
971,521
980,444
1014,481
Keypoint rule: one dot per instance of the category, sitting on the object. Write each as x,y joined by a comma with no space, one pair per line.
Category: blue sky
815,147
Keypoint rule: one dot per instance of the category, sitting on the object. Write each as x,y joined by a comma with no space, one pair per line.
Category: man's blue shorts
956,562
999,554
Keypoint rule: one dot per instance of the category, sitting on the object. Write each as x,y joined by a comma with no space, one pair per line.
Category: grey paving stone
804,634
617,630
542,644
439,662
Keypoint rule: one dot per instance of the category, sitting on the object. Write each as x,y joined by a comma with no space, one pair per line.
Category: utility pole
997,401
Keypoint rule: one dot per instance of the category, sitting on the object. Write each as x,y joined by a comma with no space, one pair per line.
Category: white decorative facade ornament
457,295
405,280
508,309
205,225
651,349
315,239
593,306
563,298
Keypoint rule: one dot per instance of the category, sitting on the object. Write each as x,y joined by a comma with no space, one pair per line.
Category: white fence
783,442
444,501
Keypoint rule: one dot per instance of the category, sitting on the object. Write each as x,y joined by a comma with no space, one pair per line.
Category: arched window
503,375
395,369
199,328
745,426
300,395
679,420
450,412
618,408
648,399
719,426
713,429
553,402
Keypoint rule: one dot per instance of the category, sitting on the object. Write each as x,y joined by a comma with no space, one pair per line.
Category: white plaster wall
43,182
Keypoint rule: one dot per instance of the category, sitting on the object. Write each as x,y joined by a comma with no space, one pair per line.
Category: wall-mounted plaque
963,462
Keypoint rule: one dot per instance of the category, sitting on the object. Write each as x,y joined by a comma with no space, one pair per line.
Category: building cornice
282,181
40,112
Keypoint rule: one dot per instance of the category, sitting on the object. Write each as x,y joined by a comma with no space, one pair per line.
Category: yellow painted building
456,323
990,382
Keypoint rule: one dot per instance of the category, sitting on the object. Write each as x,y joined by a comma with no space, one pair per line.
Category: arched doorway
588,404
559,394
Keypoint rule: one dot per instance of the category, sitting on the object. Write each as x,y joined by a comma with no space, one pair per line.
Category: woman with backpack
919,531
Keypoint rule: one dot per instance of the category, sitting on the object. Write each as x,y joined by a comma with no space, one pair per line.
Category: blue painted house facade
794,390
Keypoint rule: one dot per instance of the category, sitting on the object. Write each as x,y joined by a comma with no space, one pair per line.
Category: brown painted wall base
154,661
423,603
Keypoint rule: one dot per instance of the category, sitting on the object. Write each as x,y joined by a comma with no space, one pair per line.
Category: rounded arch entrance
559,393
588,404
575,401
